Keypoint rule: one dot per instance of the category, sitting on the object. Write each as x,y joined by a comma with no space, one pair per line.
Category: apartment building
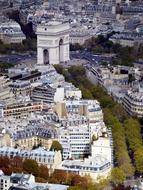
95,167
102,146
10,32
71,91
16,178
21,88
35,136
20,181
27,136
75,141
89,108
127,39
5,182
133,103
47,94
76,137
21,109
49,158
79,37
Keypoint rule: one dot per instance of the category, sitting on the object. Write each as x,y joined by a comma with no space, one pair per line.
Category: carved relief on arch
42,42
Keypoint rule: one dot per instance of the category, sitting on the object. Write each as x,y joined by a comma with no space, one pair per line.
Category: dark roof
31,76
18,188
36,131
15,179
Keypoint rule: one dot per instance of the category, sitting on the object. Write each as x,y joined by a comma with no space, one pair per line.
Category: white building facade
20,181
95,167
49,158
133,103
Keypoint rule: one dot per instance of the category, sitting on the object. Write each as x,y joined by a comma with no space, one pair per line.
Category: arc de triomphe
52,43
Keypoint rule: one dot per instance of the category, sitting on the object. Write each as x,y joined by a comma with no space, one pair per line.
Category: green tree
118,111
31,167
56,146
117,176
76,71
40,180
133,133
4,66
94,138
75,47
74,188
134,138
138,155
86,94
59,69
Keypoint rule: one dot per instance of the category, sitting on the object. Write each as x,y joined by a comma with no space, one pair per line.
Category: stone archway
61,50
52,43
46,56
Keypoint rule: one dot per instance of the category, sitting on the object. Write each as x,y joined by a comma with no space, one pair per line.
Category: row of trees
124,55
122,158
26,45
101,44
134,138
17,164
41,172
5,66
126,131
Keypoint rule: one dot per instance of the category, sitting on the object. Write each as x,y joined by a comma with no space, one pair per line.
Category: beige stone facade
29,143
26,143
22,110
